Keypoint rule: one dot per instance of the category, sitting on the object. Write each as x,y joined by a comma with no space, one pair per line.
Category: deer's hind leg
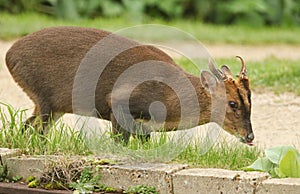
32,118
120,134
31,121
41,119
140,131
122,131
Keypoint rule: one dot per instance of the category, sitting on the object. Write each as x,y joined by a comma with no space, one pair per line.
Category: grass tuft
222,155
60,140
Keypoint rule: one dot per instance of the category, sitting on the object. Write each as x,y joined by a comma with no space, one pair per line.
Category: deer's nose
250,137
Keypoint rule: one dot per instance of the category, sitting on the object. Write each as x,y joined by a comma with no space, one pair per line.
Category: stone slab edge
6,153
171,178
199,180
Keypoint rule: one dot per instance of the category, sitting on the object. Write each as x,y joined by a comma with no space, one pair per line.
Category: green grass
60,140
276,75
222,155
65,141
13,26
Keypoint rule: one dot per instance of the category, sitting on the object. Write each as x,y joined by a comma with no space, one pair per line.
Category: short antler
218,73
243,72
243,75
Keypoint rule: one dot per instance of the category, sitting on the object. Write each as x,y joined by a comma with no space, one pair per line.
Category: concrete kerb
6,153
199,180
121,176
287,185
26,166
168,178
158,175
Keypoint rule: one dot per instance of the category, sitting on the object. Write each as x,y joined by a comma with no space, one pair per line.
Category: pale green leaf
261,164
290,164
275,154
277,173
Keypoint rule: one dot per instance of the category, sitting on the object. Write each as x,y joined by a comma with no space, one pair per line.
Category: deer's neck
192,109
204,100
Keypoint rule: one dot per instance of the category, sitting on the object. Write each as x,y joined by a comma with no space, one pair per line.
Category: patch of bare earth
275,118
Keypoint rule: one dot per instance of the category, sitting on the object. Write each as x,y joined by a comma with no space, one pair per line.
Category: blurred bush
253,12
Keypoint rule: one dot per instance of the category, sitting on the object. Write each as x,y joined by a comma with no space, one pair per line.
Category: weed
61,171
5,175
79,174
30,179
33,184
141,189
87,182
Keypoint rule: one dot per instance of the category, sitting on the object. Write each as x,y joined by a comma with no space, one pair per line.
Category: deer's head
238,99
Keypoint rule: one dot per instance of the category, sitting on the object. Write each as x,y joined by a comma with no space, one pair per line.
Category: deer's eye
233,105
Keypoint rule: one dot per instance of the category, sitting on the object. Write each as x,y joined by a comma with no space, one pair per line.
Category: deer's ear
226,70
208,81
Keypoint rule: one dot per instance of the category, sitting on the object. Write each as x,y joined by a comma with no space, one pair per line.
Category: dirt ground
275,118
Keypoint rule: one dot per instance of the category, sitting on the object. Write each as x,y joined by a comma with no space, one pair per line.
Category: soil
275,118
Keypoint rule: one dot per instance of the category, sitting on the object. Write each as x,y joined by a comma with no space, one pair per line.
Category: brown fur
45,63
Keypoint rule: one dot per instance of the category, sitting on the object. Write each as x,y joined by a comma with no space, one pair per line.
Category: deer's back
45,64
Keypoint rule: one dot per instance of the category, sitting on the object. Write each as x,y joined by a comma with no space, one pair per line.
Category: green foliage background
249,12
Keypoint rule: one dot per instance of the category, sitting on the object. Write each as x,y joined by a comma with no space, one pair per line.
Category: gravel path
275,118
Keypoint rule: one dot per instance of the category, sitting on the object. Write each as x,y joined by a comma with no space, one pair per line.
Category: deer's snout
249,137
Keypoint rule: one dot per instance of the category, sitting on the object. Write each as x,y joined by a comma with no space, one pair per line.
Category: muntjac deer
50,64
